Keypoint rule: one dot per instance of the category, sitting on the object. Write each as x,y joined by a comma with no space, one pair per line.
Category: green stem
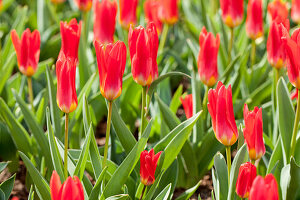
253,55
143,118
30,93
295,130
163,38
107,133
252,161
84,26
66,145
204,107
228,156
143,191
277,72
230,45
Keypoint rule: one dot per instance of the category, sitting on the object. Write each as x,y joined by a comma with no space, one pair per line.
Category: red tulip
208,57
27,50
187,103
264,188
84,5
275,45
221,111
295,11
151,9
105,20
70,35
292,48
254,21
15,198
71,189
111,59
278,10
143,47
232,12
294,95
128,12
253,132
168,11
66,90
247,174
148,166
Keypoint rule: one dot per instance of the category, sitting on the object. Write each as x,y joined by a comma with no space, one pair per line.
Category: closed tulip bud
208,57
264,188
295,11
66,90
111,59
232,12
70,36
71,189
187,103
254,21
221,111
247,174
278,9
128,12
27,50
168,11
148,166
105,13
84,5
151,9
143,47
275,45
292,48
253,132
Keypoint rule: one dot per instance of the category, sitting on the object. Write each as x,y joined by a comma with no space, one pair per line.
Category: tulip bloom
128,12
148,166
143,47
84,5
247,174
187,103
275,45
295,11
232,12
292,48
221,111
105,13
111,59
278,10
254,21
208,57
168,11
264,188
253,132
71,189
27,50
151,9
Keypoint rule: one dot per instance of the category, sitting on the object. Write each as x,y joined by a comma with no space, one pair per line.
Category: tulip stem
228,156
253,55
204,107
230,45
163,37
107,133
30,93
143,118
66,145
295,130
143,191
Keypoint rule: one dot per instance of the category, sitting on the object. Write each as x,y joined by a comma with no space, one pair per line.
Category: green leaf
119,197
275,157
241,137
3,165
37,178
6,70
188,193
7,186
221,173
153,187
175,103
229,68
31,193
40,113
164,195
96,190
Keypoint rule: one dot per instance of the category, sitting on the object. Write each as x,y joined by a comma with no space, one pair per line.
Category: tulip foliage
132,99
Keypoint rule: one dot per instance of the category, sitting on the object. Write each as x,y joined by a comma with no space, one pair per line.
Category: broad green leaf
3,165
221,176
275,157
6,70
2,194
119,197
188,193
164,195
7,186
197,106
229,68
40,113
175,103
96,190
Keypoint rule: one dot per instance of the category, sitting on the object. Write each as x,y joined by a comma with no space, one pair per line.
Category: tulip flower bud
143,47
264,188
27,50
247,174
168,11
84,5
105,13
208,57
187,103
221,111
232,12
254,21
278,10
128,12
295,11
275,45
148,166
151,9
111,59
71,189
253,132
